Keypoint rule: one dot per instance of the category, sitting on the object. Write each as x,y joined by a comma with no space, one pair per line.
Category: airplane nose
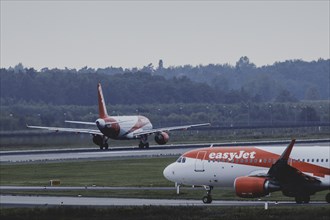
169,172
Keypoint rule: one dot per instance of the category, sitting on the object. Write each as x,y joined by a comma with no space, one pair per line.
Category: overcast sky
129,34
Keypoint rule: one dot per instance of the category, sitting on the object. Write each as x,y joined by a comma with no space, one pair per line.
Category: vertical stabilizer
286,154
102,109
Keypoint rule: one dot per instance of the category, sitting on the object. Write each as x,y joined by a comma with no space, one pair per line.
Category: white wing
73,130
156,130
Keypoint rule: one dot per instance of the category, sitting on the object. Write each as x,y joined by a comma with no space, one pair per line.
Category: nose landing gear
208,198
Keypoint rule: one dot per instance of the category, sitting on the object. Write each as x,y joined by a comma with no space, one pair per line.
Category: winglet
102,108
286,154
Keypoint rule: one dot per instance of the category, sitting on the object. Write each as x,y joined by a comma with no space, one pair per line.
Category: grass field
132,172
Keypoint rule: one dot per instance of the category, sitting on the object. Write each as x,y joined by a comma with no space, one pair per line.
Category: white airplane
255,171
120,127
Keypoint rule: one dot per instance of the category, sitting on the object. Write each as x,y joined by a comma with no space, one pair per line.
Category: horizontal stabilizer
80,122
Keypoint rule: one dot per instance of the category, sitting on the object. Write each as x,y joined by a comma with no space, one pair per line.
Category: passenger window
303,160
326,160
312,160
317,160
321,160
307,160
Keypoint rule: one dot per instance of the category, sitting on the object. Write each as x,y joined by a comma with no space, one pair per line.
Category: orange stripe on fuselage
141,122
252,156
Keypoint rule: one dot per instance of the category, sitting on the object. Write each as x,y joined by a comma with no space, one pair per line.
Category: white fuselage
220,166
123,127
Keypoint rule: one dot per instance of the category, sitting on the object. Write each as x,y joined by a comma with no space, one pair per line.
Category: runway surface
129,152
33,201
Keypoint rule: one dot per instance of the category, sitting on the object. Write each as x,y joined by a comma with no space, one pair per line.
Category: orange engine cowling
162,138
251,187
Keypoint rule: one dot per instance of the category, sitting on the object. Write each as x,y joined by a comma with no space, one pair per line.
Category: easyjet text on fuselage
232,155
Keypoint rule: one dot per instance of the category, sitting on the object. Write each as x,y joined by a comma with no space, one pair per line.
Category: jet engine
98,140
162,138
254,187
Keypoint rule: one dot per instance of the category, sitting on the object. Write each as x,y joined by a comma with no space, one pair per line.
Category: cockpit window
181,160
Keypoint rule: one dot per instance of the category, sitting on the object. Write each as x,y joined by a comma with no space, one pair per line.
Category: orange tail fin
102,108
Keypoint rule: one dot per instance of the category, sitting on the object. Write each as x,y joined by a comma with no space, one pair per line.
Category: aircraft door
199,162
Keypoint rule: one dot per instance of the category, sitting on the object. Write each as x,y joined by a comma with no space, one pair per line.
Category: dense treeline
282,82
292,79
15,116
224,95
61,88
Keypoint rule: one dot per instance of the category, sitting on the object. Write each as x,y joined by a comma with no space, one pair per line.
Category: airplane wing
287,175
292,181
73,130
157,130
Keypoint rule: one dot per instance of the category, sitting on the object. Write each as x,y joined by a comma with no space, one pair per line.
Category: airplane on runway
255,171
120,127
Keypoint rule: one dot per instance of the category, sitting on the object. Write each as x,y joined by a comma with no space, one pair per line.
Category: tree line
288,81
221,94
14,117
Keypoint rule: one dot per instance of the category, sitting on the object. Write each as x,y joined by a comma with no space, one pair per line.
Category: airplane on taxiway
255,171
120,127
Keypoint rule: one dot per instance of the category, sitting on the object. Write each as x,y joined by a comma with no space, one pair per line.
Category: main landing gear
208,198
101,141
302,199
327,198
306,198
143,145
144,142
